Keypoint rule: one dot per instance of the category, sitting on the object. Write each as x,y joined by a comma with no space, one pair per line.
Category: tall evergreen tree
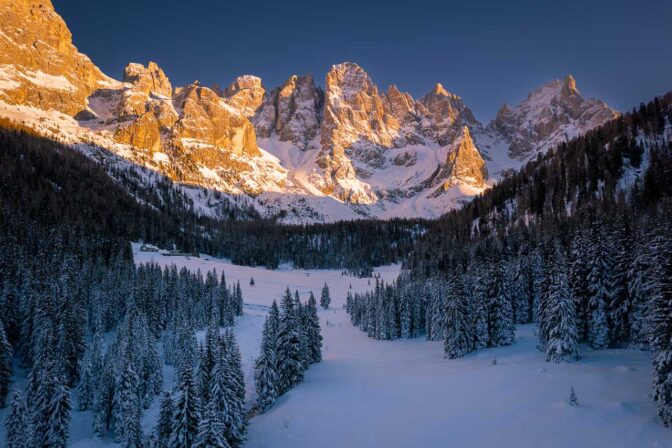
313,331
164,427
265,375
458,340
562,333
187,411
6,365
18,425
290,369
325,297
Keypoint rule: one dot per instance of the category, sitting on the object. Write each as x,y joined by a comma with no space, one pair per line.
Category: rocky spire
448,114
463,164
246,94
41,66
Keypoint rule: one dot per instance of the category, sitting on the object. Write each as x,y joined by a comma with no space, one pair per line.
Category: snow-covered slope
295,152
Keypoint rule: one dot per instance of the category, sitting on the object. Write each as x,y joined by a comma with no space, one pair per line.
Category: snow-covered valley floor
368,393
403,393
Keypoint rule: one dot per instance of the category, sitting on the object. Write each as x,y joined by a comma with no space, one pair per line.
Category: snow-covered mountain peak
550,115
348,151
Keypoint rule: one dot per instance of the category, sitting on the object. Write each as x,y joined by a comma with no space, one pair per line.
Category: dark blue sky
489,52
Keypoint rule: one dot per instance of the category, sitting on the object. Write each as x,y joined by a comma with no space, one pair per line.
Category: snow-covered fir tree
18,426
164,426
325,297
6,365
560,318
289,357
187,411
265,375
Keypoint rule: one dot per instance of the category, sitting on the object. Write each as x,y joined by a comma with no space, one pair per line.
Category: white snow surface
403,393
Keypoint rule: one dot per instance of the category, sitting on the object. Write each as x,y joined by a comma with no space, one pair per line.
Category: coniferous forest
578,242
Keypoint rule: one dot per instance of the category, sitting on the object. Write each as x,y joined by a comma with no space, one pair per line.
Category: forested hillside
578,241
55,184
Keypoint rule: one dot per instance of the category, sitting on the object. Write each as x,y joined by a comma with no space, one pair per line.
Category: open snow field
393,394
368,393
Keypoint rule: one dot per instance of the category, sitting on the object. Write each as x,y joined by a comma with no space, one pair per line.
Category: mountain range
298,152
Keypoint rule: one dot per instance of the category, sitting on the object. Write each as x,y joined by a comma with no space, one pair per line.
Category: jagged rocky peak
293,111
448,114
245,93
150,79
39,65
354,112
463,164
208,119
550,115
299,102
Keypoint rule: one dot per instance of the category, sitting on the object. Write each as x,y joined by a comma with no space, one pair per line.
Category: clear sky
488,52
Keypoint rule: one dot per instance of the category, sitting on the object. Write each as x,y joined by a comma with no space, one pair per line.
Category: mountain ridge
348,151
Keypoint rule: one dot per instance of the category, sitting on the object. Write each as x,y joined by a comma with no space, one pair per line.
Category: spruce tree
211,429
325,298
6,365
128,426
290,369
458,336
18,424
313,331
187,411
265,375
562,333
164,427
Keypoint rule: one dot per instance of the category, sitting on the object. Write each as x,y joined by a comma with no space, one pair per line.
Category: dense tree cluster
579,241
291,342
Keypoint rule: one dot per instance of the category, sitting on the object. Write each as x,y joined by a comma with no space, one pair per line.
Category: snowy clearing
403,393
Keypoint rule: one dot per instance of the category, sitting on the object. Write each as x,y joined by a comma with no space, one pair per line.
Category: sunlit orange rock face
341,141
38,58
464,163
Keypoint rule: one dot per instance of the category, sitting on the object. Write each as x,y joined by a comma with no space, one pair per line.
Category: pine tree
661,327
211,430
600,268
187,411
325,298
59,416
265,375
164,426
18,425
561,326
236,425
6,365
578,280
500,318
290,369
127,401
313,331
458,335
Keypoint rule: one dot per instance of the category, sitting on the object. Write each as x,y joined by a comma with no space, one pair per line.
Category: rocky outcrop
550,115
297,110
464,164
246,94
447,114
208,119
354,112
150,79
39,65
